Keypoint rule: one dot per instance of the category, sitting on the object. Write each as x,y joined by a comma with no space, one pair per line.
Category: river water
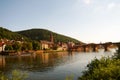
50,66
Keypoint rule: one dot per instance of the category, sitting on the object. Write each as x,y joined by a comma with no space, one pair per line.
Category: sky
90,21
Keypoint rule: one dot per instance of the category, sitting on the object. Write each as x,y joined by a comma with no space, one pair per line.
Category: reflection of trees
41,62
2,62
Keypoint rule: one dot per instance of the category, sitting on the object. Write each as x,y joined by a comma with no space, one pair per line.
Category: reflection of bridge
95,47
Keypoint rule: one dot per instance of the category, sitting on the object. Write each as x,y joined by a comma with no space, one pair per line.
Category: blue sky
86,20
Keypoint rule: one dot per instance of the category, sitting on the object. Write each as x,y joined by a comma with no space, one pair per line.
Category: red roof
1,44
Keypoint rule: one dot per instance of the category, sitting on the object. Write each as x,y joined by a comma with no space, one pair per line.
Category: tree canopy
43,34
5,33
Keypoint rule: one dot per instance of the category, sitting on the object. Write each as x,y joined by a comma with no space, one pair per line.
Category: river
50,66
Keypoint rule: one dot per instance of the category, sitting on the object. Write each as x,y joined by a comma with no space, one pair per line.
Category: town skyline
90,21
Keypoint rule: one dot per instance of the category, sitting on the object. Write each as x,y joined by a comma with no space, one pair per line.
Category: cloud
87,2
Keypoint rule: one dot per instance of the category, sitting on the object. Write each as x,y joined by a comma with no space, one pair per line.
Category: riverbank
12,53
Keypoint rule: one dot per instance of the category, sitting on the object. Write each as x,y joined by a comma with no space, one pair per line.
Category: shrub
16,75
103,69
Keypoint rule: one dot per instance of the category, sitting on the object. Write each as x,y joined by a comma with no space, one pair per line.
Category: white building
2,46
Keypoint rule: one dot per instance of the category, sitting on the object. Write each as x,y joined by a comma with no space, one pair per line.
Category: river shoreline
13,53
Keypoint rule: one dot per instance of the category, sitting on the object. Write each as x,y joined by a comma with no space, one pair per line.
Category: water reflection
49,66
2,62
39,62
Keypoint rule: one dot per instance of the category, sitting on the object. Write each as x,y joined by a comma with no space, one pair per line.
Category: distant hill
35,34
43,34
5,33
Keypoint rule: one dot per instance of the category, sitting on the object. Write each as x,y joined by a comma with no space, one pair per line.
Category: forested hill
35,34
5,33
43,34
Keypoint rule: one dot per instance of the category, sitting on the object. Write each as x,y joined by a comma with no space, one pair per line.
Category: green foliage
17,46
117,56
2,76
36,45
27,46
34,34
8,47
16,75
24,47
4,33
42,34
103,69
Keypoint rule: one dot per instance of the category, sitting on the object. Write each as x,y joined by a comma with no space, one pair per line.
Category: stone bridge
95,47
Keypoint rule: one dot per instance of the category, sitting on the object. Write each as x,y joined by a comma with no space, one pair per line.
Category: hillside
43,34
5,33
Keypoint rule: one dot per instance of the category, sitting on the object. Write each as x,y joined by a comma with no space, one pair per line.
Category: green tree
5,33
24,47
30,46
17,46
42,34
118,52
8,47
103,69
36,45
27,46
